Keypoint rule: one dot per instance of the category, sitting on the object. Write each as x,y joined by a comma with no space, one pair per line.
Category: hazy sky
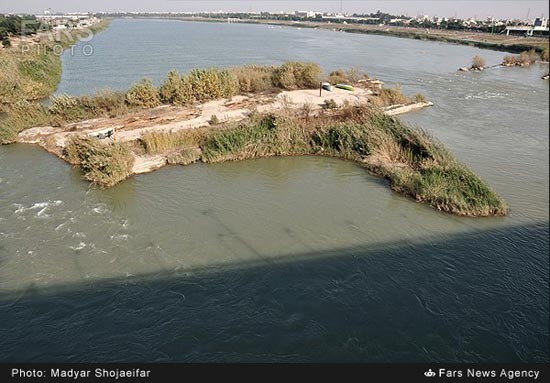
462,8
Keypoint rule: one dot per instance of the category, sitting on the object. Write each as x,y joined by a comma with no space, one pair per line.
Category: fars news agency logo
429,373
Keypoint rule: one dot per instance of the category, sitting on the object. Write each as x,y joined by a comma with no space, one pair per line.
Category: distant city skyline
463,8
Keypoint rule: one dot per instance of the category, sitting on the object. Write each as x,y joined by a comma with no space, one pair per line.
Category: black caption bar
146,372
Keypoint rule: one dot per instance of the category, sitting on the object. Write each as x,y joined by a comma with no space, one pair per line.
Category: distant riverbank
514,44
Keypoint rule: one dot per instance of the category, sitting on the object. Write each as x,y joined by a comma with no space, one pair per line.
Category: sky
461,8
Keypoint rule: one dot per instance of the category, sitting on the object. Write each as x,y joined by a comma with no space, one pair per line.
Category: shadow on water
474,297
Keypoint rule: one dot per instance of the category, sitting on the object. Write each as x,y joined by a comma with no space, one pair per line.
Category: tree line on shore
11,25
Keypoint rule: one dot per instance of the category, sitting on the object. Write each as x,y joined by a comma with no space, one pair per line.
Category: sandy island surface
170,119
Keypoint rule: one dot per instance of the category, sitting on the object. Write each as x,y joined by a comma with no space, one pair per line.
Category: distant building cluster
539,24
75,20
490,24
527,27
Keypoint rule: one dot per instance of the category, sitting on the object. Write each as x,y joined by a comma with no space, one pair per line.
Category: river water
285,259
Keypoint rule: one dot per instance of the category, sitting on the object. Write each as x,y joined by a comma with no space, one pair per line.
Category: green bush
229,84
27,76
104,164
214,120
23,115
184,156
254,78
159,142
176,90
330,104
66,106
106,103
211,84
420,98
143,94
337,77
352,76
297,75
390,96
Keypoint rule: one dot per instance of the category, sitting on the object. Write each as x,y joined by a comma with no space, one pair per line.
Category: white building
68,21
306,14
540,22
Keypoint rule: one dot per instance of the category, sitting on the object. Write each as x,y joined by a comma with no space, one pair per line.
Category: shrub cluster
392,96
297,75
254,78
525,58
27,77
23,115
211,84
69,108
330,104
352,76
175,90
202,85
199,85
143,94
158,142
478,63
17,25
420,98
104,164
34,74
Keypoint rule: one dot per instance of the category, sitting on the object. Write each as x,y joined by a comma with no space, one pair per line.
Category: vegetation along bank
30,60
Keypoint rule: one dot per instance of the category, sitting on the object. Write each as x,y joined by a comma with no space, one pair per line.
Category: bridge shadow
478,297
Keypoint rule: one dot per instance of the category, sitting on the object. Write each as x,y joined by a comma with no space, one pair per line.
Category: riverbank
513,44
31,67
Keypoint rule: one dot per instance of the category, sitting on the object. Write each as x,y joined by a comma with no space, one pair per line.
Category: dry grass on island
524,59
265,111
